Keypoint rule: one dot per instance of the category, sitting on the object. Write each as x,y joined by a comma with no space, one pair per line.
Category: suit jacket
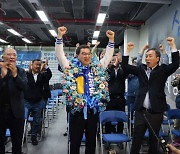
46,88
116,83
34,91
154,85
17,87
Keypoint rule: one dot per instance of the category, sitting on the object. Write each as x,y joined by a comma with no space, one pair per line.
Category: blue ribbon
91,103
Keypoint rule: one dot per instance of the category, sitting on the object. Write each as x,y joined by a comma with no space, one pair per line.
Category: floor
55,142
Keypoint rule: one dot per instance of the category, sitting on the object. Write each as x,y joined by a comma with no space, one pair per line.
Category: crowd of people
92,83
149,99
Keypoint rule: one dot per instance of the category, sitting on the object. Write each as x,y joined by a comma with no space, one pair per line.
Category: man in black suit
116,85
33,96
12,84
151,99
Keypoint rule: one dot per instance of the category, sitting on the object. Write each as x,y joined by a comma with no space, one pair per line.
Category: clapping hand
13,68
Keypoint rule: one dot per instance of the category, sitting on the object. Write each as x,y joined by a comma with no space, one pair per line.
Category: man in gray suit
13,82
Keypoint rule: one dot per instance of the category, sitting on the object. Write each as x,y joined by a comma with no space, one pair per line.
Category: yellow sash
80,84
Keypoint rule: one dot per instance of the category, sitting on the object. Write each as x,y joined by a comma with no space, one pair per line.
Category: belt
5,106
116,96
147,110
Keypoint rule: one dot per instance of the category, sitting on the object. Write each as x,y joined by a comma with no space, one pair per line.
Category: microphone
161,140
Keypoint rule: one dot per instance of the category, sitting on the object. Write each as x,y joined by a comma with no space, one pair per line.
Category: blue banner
25,57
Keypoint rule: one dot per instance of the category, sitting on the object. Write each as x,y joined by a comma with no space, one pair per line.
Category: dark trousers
16,126
115,104
78,126
140,128
35,108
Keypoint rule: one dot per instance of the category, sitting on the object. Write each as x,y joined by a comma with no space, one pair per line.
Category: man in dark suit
33,96
46,89
151,99
116,85
12,84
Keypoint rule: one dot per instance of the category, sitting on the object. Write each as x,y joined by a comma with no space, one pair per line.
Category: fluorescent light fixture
14,32
26,40
100,18
96,34
3,41
94,42
42,15
53,33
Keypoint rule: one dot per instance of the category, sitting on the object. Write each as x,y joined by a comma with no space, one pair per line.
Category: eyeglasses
85,54
11,54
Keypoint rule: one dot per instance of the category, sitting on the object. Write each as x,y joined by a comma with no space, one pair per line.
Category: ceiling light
42,15
100,18
53,33
96,34
94,42
3,41
26,40
14,32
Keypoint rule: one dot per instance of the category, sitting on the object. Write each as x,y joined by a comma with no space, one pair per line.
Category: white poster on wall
53,64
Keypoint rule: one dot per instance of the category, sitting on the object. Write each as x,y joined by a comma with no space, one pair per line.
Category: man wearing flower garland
85,84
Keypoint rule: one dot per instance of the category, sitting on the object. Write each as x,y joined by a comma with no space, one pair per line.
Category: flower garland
77,101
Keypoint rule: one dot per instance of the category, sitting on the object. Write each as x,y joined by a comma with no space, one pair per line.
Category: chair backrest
26,114
132,107
174,114
54,93
169,107
113,116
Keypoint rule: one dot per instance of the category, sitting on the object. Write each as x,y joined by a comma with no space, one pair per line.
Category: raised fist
130,46
61,31
110,34
77,45
171,42
97,43
146,47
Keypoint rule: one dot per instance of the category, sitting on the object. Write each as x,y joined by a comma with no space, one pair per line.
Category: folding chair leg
24,139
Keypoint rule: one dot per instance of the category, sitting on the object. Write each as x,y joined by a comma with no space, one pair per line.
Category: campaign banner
53,64
25,57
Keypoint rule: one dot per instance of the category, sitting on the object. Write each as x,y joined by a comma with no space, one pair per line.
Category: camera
163,145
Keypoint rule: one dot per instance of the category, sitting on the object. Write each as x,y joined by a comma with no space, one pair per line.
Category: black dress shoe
107,146
29,132
121,146
34,140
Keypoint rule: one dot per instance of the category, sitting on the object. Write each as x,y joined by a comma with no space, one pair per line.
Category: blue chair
8,133
131,118
161,134
166,121
173,114
113,117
